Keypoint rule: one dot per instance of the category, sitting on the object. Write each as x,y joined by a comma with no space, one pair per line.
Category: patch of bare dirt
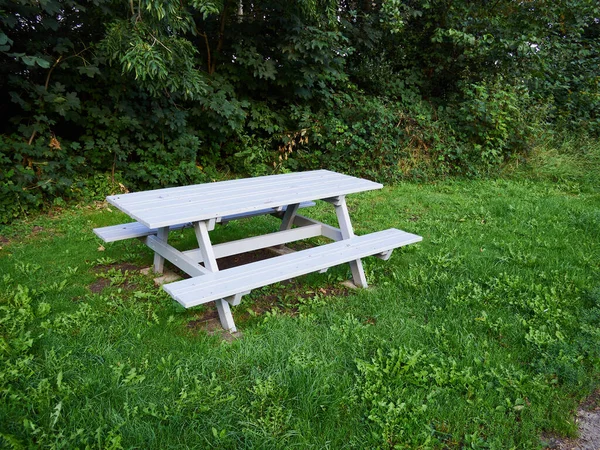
208,322
299,245
244,258
294,292
588,422
233,261
103,282
4,240
36,229
98,286
122,267
287,299
39,232
239,260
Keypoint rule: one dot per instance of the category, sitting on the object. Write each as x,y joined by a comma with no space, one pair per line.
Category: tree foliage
166,92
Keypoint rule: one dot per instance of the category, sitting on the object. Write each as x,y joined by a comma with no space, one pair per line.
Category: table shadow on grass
286,296
287,299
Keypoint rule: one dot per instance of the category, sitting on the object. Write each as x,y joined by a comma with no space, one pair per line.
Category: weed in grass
27,269
405,393
69,271
74,323
54,288
349,328
104,261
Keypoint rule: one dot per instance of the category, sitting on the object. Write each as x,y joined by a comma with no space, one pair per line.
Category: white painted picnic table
204,205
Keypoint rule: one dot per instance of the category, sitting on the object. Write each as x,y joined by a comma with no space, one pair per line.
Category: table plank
171,206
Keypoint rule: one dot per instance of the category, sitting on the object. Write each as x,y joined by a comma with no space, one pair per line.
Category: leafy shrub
493,121
140,150
356,134
31,173
383,139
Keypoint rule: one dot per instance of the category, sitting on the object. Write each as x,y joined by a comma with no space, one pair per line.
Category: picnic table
202,206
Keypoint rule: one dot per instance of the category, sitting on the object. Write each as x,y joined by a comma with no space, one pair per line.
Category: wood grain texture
173,206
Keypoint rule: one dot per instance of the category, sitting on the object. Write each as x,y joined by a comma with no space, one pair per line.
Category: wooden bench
204,205
137,230
230,283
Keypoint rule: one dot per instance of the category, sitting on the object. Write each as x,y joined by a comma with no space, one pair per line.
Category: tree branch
47,83
221,36
208,57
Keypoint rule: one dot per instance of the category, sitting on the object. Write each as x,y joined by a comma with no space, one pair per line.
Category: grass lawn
485,335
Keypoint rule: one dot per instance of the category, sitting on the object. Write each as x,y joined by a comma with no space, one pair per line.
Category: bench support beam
385,255
257,242
341,211
162,234
174,256
327,231
288,217
210,263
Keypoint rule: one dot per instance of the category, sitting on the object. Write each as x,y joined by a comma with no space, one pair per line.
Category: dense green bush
165,93
33,173
495,120
357,134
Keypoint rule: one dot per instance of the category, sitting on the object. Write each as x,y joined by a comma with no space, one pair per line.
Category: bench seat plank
128,231
136,230
217,285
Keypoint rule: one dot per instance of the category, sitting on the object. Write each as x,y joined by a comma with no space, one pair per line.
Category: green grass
485,335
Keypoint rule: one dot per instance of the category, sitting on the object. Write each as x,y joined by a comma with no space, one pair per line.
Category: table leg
288,217
341,211
287,222
210,263
159,261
